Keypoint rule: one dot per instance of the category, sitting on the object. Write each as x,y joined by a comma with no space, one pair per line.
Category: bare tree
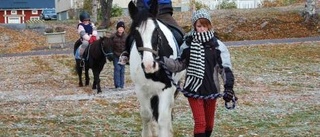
94,11
106,7
310,10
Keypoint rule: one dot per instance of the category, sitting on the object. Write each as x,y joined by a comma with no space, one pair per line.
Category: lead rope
228,105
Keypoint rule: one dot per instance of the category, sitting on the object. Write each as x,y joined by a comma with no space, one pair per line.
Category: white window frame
34,12
34,18
14,12
15,18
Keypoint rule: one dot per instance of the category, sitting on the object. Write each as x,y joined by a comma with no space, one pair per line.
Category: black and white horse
154,90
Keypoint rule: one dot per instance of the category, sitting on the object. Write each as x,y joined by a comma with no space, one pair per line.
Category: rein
104,53
193,95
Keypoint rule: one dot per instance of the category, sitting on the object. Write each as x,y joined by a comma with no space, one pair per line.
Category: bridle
104,52
159,41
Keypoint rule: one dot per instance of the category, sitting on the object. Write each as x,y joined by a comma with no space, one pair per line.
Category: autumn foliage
231,25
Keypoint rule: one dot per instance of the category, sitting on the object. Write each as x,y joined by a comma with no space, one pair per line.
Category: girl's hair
204,22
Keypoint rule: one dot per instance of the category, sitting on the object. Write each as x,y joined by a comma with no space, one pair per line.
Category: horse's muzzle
150,66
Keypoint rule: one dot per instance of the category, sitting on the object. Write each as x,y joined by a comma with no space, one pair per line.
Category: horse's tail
76,46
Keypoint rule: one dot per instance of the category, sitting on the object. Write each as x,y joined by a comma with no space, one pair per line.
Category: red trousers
203,114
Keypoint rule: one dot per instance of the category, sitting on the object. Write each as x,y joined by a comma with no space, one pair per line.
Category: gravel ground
39,96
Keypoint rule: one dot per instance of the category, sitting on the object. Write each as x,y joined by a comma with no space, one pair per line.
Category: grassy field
278,88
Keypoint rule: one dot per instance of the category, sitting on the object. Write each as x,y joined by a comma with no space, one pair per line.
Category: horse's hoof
80,85
99,92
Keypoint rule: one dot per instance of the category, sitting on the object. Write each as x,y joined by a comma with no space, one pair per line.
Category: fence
214,4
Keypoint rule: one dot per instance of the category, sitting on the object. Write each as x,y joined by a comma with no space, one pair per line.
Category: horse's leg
94,85
96,79
145,113
166,102
86,70
79,72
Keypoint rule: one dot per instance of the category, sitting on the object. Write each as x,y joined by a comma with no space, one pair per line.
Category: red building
20,11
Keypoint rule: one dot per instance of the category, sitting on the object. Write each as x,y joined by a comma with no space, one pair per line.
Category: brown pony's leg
79,72
96,80
96,70
87,73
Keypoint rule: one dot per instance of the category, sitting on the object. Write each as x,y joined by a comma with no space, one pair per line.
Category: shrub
54,29
277,3
226,4
49,30
116,11
198,5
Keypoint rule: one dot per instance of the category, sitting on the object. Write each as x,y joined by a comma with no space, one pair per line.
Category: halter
159,40
104,53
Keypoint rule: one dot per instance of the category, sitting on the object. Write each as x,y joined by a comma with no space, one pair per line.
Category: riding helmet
84,16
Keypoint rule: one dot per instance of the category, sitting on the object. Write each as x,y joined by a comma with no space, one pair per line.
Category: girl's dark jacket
217,61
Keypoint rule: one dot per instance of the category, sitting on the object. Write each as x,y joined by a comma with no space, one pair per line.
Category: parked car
48,14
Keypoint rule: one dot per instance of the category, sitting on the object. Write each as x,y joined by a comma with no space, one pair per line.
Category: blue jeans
118,73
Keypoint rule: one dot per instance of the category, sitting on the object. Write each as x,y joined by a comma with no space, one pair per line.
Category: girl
204,57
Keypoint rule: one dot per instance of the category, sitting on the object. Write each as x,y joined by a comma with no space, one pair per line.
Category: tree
94,11
310,10
106,7
87,6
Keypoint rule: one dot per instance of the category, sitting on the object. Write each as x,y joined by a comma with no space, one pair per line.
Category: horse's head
106,46
151,37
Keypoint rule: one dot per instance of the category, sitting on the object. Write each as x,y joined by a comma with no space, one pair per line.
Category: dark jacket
217,61
118,43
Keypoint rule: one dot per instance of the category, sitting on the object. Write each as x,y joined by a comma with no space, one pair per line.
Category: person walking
118,46
204,57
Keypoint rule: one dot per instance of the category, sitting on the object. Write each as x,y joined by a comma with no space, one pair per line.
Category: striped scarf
196,68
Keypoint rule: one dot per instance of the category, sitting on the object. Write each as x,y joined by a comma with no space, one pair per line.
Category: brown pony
95,58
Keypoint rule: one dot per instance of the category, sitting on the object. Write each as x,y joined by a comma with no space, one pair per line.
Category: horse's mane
140,18
95,48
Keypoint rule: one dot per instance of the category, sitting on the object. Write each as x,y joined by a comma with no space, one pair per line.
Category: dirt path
68,48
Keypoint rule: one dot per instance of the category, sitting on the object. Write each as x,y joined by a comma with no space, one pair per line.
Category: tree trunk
94,11
310,10
106,7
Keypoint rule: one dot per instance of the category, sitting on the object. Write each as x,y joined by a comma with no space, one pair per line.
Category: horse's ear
133,10
154,8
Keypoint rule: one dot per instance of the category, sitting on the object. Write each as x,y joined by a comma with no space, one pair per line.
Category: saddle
176,32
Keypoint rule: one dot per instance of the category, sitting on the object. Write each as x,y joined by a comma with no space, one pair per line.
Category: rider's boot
81,57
